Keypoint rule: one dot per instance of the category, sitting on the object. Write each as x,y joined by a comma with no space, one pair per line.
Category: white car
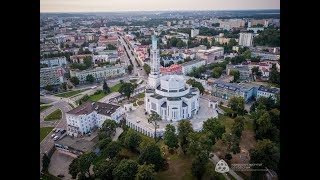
56,138
57,130
53,135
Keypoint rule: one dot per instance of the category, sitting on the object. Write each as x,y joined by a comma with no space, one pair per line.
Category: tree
106,88
228,156
126,169
275,117
170,137
90,78
130,68
232,141
264,128
64,86
217,71
74,80
87,61
180,62
146,68
255,71
112,149
214,129
103,142
268,37
266,153
45,162
109,126
196,84
153,119
238,126
274,75
235,74
48,88
247,54
85,161
237,105
126,89
198,167
161,63
184,128
103,169
74,168
145,172
132,140
111,47
151,154
199,142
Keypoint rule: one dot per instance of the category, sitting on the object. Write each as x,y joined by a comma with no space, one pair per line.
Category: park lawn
97,97
141,95
70,93
71,105
45,106
248,123
226,121
225,109
115,88
44,131
47,176
54,116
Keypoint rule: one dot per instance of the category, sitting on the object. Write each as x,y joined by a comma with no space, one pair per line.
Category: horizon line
153,10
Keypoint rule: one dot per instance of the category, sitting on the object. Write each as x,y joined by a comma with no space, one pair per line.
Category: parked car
57,130
53,135
63,131
56,138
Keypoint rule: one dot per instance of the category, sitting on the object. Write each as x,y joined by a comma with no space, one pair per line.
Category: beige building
99,73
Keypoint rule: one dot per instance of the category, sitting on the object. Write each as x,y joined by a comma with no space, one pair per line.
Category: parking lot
59,164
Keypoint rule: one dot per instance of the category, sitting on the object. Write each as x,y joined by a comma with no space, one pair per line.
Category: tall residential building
154,76
194,32
246,39
99,73
55,61
51,76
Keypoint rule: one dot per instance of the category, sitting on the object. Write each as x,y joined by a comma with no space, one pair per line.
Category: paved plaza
137,119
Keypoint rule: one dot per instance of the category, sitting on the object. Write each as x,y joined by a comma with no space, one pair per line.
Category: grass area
115,88
225,109
76,95
133,80
227,122
97,97
45,106
54,116
140,103
44,131
47,176
71,105
141,95
70,93
248,123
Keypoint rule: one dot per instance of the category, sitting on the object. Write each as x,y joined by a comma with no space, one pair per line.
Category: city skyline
153,5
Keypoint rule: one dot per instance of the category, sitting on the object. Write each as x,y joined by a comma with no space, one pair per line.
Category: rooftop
90,106
192,62
269,89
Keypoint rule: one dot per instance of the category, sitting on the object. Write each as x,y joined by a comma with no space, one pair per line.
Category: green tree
247,54
268,37
104,141
235,74
64,86
170,137
112,149
130,68
151,154
126,89
87,61
45,162
132,140
153,119
237,105
275,117
266,153
214,129
232,141
217,71
90,78
264,128
85,161
145,172
255,71
109,126
199,142
48,88
196,84
103,169
111,47
74,168
146,68
184,128
106,88
198,167
238,126
126,169
74,80
228,156
274,76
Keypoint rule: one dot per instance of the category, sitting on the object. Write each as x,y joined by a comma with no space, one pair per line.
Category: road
214,159
139,71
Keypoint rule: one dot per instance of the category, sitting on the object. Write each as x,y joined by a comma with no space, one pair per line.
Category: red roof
265,70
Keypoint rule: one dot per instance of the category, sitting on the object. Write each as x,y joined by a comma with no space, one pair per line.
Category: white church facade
169,95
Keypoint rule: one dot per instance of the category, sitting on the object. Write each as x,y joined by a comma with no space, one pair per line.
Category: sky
153,5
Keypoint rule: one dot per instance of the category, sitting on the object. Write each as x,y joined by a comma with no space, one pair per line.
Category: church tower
154,76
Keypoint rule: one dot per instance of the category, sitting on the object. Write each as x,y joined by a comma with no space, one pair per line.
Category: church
169,95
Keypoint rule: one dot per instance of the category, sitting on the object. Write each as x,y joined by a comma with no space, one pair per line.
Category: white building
51,76
169,95
246,39
210,55
90,115
194,32
264,91
55,61
99,73
188,66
